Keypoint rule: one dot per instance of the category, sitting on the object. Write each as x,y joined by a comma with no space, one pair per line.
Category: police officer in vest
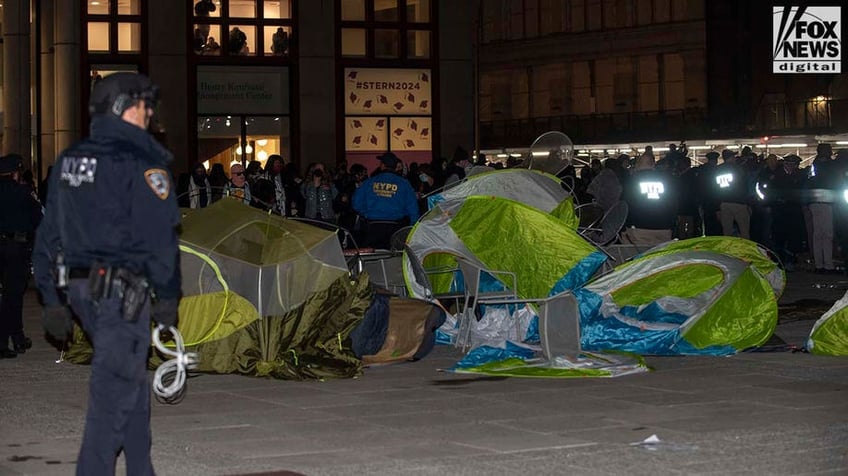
385,202
20,213
108,243
731,185
650,196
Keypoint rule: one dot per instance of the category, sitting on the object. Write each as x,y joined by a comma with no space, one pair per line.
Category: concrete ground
770,413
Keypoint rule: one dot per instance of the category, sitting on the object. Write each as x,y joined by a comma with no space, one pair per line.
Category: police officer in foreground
20,213
384,202
108,243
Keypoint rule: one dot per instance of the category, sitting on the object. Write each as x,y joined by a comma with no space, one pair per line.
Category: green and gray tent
264,296
830,333
748,251
546,254
681,302
540,190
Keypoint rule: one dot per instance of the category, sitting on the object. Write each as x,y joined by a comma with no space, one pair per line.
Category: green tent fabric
748,251
272,262
309,342
263,296
681,302
500,234
829,335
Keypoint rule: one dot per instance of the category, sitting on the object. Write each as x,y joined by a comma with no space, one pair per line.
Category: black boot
21,343
7,353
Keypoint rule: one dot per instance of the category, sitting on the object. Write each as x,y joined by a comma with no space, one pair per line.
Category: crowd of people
797,212
772,200
394,195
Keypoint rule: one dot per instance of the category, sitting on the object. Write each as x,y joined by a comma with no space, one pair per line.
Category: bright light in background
262,142
206,164
541,154
778,146
262,156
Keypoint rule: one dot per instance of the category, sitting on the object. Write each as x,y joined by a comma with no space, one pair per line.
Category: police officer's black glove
164,312
57,321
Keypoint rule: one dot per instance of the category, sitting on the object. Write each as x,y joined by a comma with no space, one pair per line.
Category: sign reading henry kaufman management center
807,39
234,90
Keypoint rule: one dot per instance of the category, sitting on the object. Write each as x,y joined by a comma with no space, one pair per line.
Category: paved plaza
775,413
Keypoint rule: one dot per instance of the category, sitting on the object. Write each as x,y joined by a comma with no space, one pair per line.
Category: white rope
173,370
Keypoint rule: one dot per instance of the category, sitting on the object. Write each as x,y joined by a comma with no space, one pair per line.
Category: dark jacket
111,200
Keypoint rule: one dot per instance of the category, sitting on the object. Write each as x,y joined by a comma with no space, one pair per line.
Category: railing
609,128
820,115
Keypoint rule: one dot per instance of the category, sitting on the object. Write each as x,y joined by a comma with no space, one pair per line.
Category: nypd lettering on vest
651,190
78,170
384,189
724,180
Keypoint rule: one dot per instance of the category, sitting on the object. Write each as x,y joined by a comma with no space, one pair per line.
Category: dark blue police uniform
111,211
384,201
652,200
20,213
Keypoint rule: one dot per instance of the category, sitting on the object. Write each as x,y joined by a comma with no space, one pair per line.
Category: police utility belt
107,282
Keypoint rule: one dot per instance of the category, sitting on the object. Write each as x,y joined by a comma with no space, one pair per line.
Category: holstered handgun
136,291
107,282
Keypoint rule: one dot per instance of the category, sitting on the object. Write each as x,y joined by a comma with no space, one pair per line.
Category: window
549,91
648,84
244,28
385,29
594,15
581,88
552,16
113,27
243,114
231,139
673,82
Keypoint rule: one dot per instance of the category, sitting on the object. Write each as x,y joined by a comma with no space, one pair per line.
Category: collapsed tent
263,296
829,335
531,187
545,255
751,252
679,302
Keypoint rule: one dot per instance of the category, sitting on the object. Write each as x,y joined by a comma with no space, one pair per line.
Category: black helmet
117,92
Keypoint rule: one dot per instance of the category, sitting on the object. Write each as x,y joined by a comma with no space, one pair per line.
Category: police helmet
117,92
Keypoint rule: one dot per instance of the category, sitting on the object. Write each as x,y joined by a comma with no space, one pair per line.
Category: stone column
47,113
168,68
456,78
67,60
16,81
316,62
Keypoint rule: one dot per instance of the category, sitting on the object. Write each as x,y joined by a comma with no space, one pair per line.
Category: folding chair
608,227
473,275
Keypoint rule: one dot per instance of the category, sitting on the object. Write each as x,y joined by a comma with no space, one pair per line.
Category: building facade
626,71
240,80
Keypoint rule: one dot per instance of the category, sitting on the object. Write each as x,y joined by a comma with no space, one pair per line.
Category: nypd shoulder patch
159,181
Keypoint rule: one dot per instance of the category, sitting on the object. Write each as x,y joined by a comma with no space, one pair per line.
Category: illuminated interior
219,139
